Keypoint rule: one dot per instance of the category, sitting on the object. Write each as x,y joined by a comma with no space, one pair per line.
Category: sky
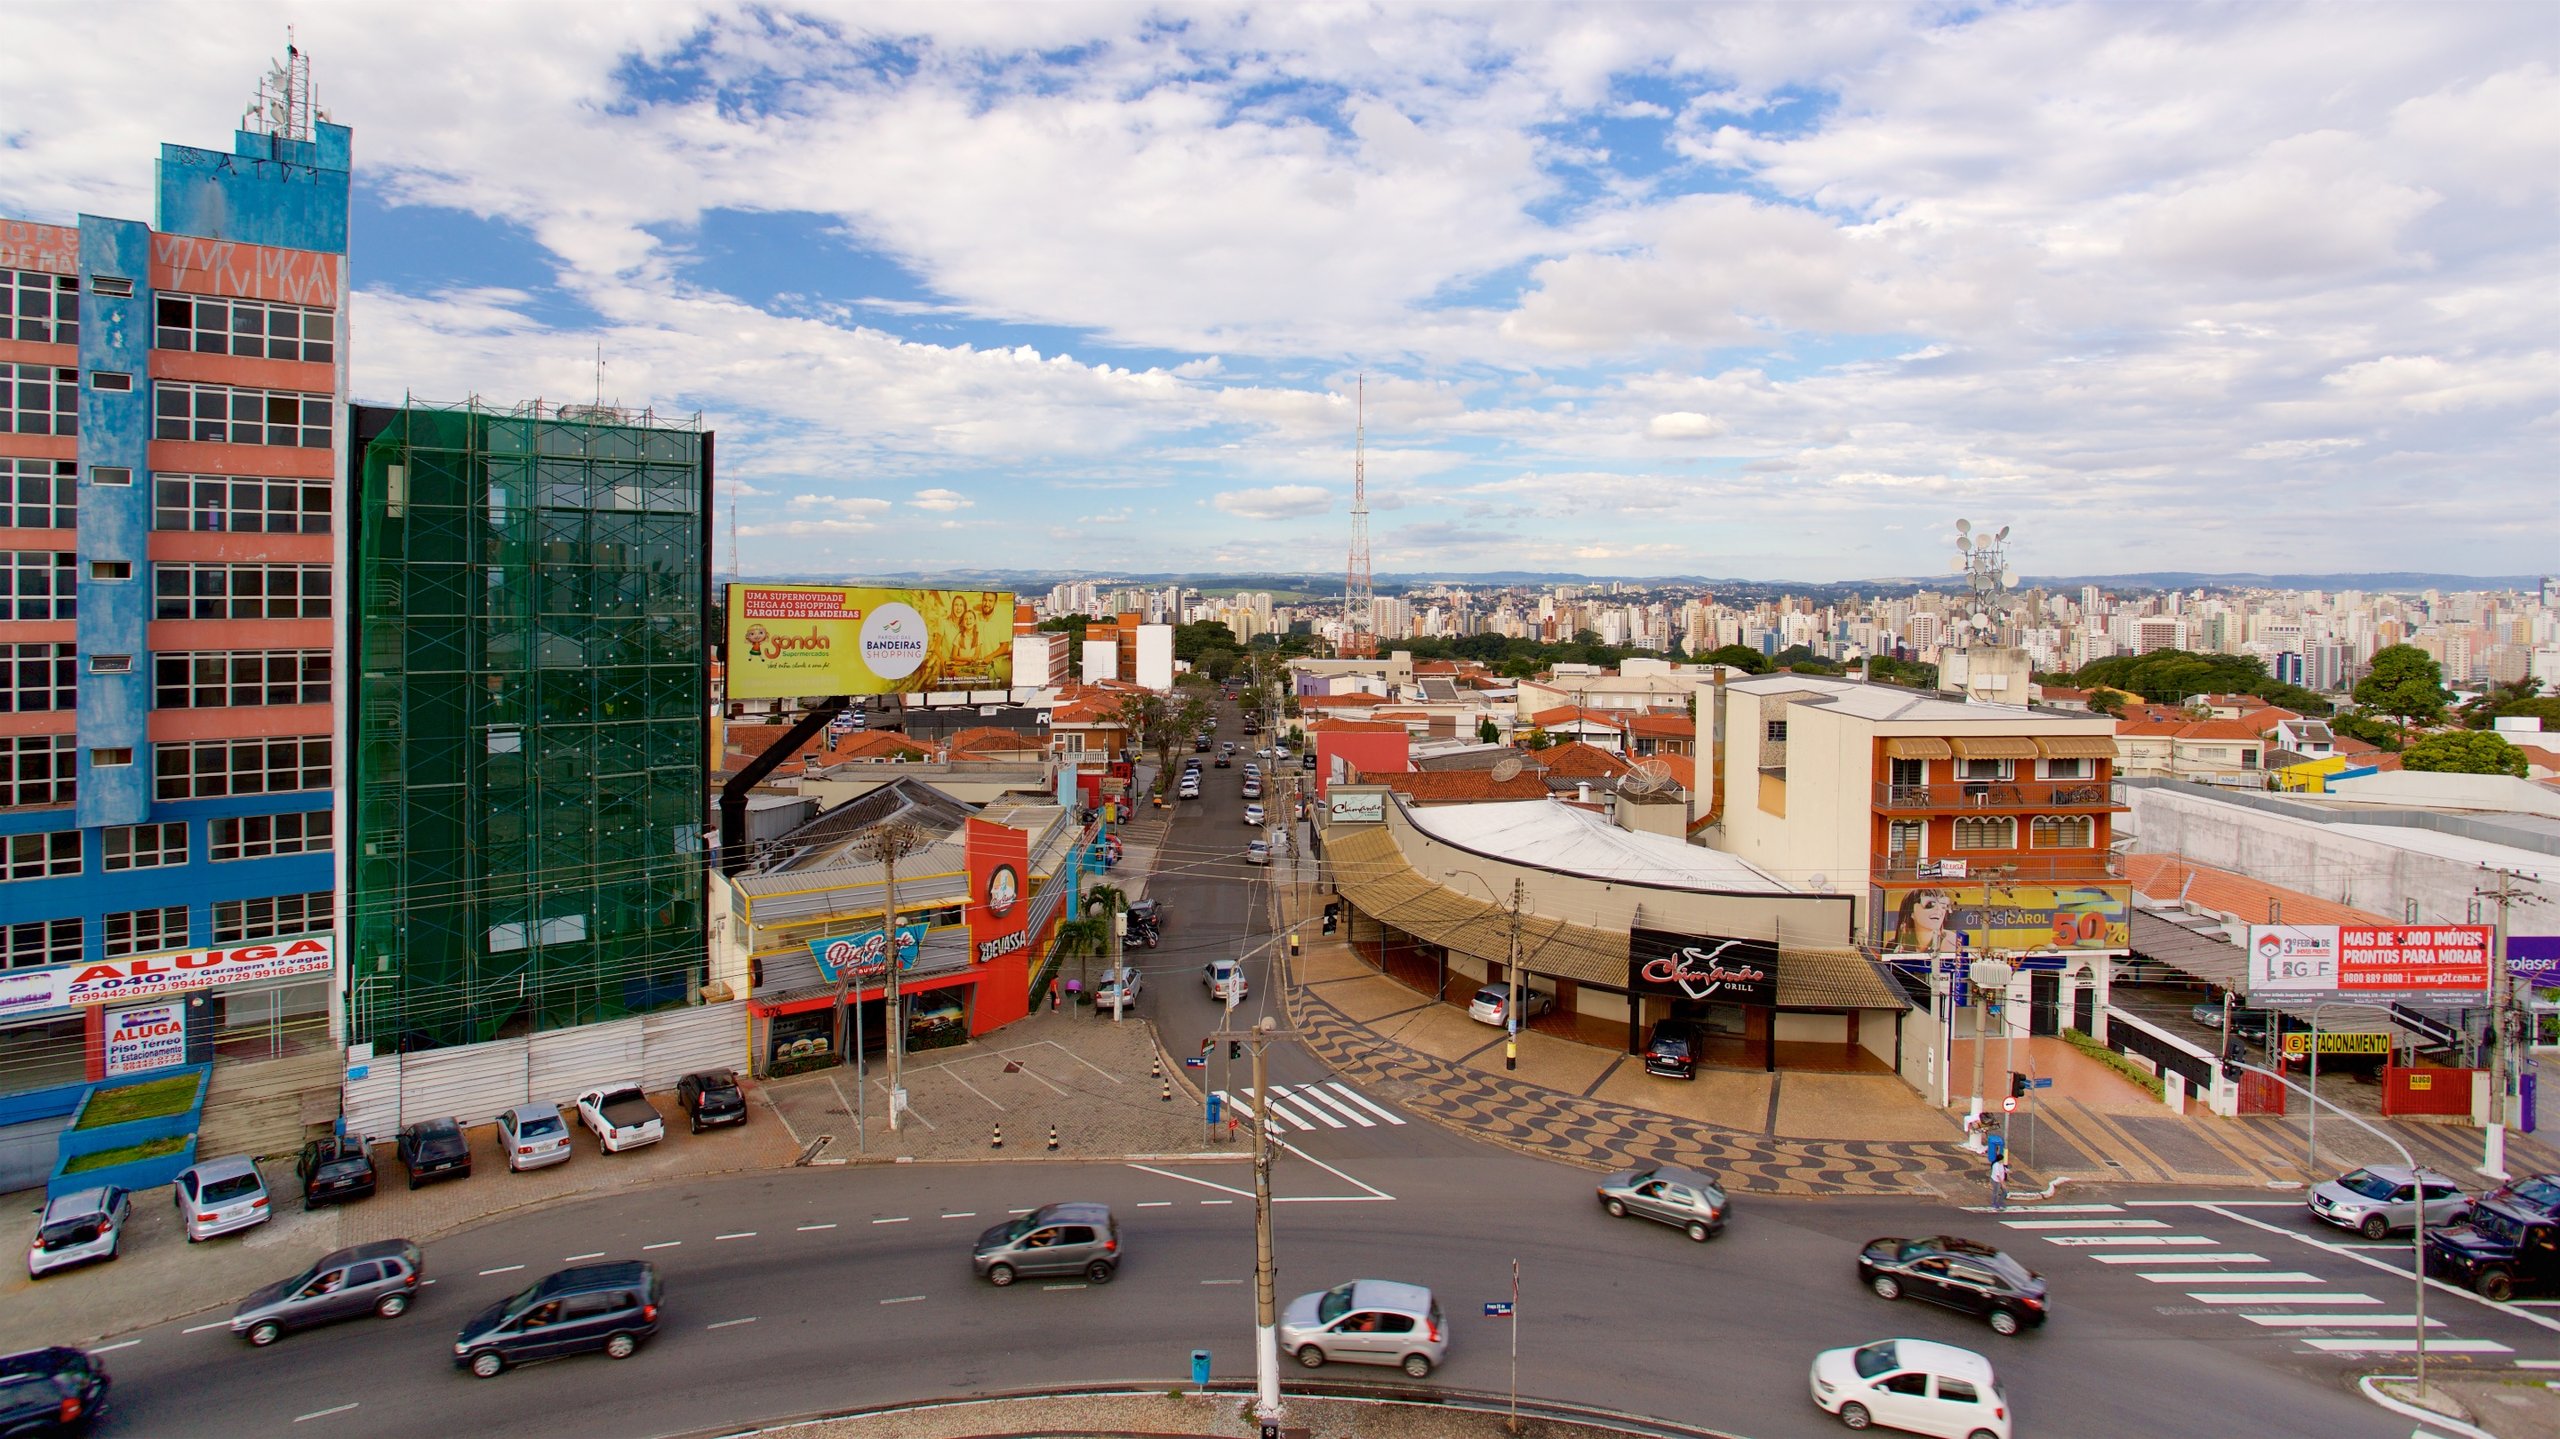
1767,292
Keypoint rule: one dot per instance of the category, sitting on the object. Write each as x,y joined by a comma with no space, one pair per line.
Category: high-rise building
170,630
528,777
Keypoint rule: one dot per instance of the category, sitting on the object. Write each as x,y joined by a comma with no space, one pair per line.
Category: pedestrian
1999,1184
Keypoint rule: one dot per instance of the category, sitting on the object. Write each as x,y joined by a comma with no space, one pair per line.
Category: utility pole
2506,1019
1519,990
886,844
1266,1274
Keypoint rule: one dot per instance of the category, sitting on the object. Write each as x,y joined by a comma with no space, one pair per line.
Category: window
245,921
220,679
146,846
110,380
140,931
1982,769
110,570
39,585
39,856
249,506
111,285
39,400
2067,768
1958,1391
40,307
1999,833
2248,759
38,677
213,769
110,475
240,592
37,942
1907,837
260,836
38,769
39,494
2063,831
232,414
115,757
1914,1385
1776,731
256,328
110,664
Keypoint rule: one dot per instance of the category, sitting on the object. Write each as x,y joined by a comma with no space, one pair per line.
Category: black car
2509,1246
1672,1049
50,1391
611,1307
435,1148
711,1098
1958,1273
333,1171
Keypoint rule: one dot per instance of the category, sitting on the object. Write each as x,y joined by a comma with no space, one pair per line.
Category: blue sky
1770,292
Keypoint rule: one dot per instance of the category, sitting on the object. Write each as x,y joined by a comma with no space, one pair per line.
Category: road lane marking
1066,1286
963,1214
1298,1100
805,1228
1356,1097
2393,1270
741,1234
199,1329
1155,1204
574,1258
111,1348
2290,1277
322,1413
1315,1094
2049,1209
1185,1178
2340,1321
2092,1224
1235,1106
904,1299
1222,1281
501,1269
2284,1299
2084,1241
2404,1346
731,1323
1369,1191
1217,1201
901,1219
2180,1258
668,1244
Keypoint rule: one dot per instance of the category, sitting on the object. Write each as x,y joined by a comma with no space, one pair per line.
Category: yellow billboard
1962,916
789,641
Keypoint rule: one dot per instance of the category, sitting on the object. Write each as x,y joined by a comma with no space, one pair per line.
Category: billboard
1702,967
999,889
2535,957
145,1037
2017,918
2293,958
179,971
787,641
2367,959
867,953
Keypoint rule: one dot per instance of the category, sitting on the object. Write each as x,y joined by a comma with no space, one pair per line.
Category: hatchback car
1912,1385
1121,982
533,1136
1258,852
77,1228
2379,1198
334,1170
710,1099
1672,1049
1253,814
1685,1199
1958,1273
590,1307
1493,1002
221,1196
1225,760
1226,981
378,1278
1367,1321
434,1149
1074,1238
1253,789
54,1390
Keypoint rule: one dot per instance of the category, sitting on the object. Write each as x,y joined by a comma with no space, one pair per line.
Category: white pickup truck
622,1118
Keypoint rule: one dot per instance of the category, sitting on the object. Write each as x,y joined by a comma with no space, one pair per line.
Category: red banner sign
2375,959
999,889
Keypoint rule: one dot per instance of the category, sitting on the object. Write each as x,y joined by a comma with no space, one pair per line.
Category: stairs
267,1106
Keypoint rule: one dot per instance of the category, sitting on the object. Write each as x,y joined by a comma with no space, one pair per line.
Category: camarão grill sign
1703,968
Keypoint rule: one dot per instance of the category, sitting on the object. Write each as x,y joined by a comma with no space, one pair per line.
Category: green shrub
147,1149
2115,1061
151,1099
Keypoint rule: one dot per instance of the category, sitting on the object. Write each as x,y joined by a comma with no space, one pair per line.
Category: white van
1913,1385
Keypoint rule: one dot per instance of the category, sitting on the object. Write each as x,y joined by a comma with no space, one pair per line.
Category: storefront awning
1371,871
1917,746
2078,746
1997,746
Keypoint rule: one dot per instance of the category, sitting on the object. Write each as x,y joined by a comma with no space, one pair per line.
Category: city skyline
1637,289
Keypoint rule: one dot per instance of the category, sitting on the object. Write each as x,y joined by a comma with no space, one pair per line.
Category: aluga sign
178,971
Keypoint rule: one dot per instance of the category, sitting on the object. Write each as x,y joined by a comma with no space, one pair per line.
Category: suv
1367,1321
1958,1273
78,1227
1672,1049
379,1278
334,1170
2379,1198
50,1389
2511,1244
1074,1238
611,1307
710,1099
432,1148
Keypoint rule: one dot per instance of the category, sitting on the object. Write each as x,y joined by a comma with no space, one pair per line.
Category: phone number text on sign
2450,956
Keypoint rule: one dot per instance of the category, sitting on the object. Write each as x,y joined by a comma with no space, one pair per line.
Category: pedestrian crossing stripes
1303,1107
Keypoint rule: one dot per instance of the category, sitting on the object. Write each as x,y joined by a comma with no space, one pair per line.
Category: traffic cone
1155,1068
1053,1139
1167,1096
998,1141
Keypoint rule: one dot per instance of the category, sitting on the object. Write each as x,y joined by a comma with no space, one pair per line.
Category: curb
2371,1387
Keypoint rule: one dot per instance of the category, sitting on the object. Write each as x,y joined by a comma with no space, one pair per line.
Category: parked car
1671,1050
1121,982
51,1391
2246,1024
1253,789
78,1228
710,1099
1257,852
1200,742
1225,759
1958,1273
378,1278
1253,814
2509,1246
1688,1200
1072,1238
221,1196
434,1149
533,1136
334,1170
1148,912
1226,981
1367,1321
2379,1198
1492,1004
622,1118
590,1307
1913,1385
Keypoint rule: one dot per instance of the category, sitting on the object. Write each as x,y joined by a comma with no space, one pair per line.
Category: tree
2405,686
2176,676
2371,731
1487,732
1741,657
2520,699
1537,739
2464,751
2107,702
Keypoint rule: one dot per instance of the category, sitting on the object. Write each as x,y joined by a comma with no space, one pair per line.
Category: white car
533,1136
1225,978
221,1196
78,1227
1121,981
1494,1000
1253,814
621,1118
1190,789
1912,1385
1258,852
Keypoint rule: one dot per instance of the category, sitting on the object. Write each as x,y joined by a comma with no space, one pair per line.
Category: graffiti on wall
251,272
53,249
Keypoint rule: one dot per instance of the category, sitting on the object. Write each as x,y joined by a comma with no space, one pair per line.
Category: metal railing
2033,794
2001,867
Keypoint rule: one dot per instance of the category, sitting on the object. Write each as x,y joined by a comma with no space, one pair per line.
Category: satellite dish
1507,771
2004,533
1964,544
1650,776
1821,883
2009,578
1958,566
1964,527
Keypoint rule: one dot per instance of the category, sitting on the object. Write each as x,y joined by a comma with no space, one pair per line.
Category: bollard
1053,1139
998,1141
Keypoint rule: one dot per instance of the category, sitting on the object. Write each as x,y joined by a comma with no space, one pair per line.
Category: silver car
1685,1199
2380,1198
1122,982
533,1136
378,1278
78,1227
1367,1321
221,1196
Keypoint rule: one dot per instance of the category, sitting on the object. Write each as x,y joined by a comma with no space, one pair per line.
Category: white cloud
1682,425
941,500
1275,502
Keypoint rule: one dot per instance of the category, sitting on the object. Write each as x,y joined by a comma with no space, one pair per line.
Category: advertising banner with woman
1946,917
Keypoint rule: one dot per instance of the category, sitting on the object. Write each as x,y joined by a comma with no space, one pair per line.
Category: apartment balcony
2040,796
2087,866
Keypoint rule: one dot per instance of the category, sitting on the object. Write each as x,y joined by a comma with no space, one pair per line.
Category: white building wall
1155,656
1101,660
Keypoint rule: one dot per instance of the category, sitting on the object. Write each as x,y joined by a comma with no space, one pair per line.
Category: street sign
2045,1083
2009,1105
1499,1309
1195,1061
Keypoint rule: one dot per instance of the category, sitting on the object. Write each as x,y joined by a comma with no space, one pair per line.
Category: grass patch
147,1149
2115,1061
151,1099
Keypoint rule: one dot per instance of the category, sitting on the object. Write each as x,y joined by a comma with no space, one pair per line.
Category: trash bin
1199,1368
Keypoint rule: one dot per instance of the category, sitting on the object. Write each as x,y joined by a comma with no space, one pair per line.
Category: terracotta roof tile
1567,714
2169,876
989,739
1458,786
1582,761
1340,726
1677,726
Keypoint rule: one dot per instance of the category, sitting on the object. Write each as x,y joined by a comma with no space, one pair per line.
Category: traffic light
1328,921
2017,1085
1235,1049
2231,1070
1295,943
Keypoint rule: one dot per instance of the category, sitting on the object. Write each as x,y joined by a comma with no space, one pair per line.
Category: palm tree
1089,934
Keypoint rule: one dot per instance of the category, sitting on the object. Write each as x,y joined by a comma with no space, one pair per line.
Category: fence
2426,1091
2129,1034
473,1083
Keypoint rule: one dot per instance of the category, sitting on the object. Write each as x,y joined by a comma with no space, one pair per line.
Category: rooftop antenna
599,374
283,106
1359,622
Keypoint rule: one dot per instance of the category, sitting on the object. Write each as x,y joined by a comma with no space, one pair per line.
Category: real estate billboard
2367,959
789,641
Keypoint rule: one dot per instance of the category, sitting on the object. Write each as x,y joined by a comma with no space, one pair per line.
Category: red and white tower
1359,621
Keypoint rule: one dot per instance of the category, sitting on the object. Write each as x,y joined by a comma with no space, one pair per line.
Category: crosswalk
1304,1107
2228,1282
